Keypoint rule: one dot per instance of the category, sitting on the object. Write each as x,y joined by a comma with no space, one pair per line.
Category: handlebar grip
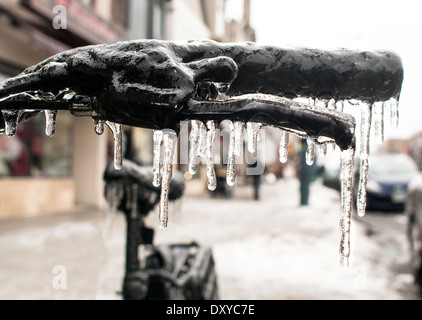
292,72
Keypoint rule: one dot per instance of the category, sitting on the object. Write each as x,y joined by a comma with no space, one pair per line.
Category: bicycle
169,272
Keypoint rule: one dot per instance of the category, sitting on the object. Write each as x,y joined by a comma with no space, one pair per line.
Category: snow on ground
274,249
266,249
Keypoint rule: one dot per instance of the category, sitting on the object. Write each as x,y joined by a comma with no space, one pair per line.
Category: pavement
267,249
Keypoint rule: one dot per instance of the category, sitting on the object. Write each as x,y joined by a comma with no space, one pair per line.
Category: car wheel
415,237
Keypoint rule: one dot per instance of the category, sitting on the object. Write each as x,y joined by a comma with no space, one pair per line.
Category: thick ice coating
157,84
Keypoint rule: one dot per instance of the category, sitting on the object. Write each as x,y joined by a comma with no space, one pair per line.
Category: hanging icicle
252,129
231,170
310,153
11,120
331,105
50,122
364,157
284,146
340,106
346,178
394,113
238,138
116,129
194,146
202,140
211,177
378,110
169,146
157,139
322,150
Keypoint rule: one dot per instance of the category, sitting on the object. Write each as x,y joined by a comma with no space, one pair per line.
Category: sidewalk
267,249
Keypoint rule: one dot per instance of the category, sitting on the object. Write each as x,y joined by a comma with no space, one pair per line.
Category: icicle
202,140
310,153
231,170
364,157
99,126
169,146
194,146
211,177
394,113
340,106
347,166
11,120
252,129
284,146
157,139
116,129
378,109
323,149
238,138
331,104
50,122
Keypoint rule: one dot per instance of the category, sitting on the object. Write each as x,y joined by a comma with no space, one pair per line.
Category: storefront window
30,153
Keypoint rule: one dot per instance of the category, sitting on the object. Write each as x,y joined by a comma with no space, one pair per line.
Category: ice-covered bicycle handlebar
157,84
154,84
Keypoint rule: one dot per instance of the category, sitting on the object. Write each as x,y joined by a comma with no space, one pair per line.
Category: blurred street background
52,205
267,249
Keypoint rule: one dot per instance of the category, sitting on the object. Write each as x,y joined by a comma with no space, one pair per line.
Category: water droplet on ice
202,140
99,126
